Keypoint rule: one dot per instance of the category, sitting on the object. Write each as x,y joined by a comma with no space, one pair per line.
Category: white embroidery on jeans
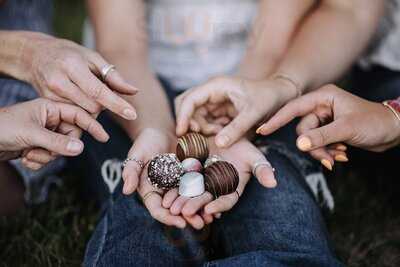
111,171
317,183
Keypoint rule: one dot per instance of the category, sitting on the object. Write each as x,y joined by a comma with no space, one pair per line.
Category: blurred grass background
365,226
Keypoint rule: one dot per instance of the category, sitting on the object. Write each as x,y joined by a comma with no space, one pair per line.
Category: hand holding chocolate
166,171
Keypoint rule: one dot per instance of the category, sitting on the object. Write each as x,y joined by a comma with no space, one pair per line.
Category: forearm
269,38
123,42
13,60
329,42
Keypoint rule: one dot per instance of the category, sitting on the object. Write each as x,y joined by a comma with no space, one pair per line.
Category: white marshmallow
191,165
191,184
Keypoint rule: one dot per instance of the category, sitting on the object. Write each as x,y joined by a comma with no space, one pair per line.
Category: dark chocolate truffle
192,145
165,171
221,178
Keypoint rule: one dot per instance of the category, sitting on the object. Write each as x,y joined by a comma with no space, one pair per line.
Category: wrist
393,106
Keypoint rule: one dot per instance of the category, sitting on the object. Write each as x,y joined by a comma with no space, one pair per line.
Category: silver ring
259,164
138,162
106,70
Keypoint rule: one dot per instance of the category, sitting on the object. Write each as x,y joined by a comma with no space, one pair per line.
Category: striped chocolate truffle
192,145
221,178
165,171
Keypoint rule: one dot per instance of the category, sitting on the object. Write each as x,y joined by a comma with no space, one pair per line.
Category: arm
329,41
123,41
274,27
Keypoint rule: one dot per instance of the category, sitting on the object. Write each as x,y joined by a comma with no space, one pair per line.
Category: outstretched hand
201,210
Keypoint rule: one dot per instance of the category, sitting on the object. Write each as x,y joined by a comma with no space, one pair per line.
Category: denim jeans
267,227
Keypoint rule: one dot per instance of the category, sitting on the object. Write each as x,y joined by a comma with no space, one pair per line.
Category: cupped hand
63,71
148,144
331,116
230,106
201,210
44,124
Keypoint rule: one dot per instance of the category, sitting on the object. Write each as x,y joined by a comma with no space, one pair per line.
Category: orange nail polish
304,143
258,131
341,147
341,158
327,164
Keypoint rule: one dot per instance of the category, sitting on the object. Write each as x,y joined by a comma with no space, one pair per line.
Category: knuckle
96,92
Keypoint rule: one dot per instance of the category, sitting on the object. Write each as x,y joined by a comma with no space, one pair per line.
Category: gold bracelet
290,80
395,112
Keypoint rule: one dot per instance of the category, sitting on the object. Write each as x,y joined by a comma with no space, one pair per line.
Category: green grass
365,227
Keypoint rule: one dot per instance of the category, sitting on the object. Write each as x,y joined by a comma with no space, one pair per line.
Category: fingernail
259,129
341,158
129,114
272,183
218,215
341,147
304,143
74,146
222,141
125,189
327,164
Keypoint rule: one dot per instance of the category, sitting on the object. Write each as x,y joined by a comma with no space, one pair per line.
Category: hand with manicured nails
331,116
229,106
202,210
64,71
47,125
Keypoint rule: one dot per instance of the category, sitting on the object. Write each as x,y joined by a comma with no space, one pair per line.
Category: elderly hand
65,72
235,104
44,124
330,116
201,210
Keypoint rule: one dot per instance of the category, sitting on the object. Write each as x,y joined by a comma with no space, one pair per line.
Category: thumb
236,129
335,132
55,142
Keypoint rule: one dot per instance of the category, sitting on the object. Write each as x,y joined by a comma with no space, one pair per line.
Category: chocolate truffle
164,171
192,165
221,178
192,145
191,184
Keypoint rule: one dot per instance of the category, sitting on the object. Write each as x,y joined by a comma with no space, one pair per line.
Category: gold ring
148,194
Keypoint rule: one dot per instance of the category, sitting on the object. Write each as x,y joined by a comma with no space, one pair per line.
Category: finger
334,132
207,218
153,204
100,93
206,127
338,155
236,129
40,156
31,165
261,168
54,142
296,108
193,205
194,126
217,215
222,121
195,221
176,207
323,156
340,147
221,204
76,116
169,198
130,175
114,78
308,122
194,99
70,91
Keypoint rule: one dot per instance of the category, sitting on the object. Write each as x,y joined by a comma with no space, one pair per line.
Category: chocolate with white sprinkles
165,171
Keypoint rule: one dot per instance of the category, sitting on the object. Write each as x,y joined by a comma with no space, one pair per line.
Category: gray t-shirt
191,41
385,49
